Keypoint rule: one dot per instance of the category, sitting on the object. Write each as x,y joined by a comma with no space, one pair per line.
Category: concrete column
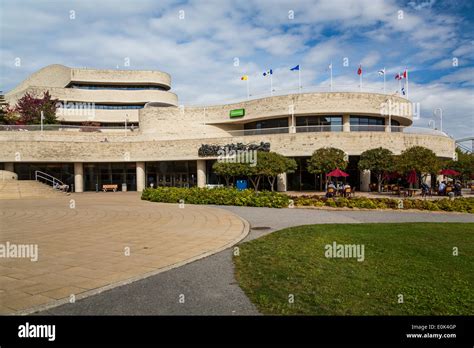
78,177
292,127
388,128
428,179
346,123
201,173
364,180
140,176
9,166
282,182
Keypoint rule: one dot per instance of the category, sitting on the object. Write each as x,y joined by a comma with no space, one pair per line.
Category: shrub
461,204
217,196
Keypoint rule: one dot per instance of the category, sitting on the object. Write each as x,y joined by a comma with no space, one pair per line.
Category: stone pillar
346,123
140,176
201,173
292,127
427,179
388,128
9,166
364,180
78,177
282,182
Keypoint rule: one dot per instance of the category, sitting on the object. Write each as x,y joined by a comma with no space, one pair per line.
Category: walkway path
208,285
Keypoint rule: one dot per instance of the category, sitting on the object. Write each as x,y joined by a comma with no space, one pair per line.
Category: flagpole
299,79
271,84
399,84
248,89
360,78
331,77
384,80
406,82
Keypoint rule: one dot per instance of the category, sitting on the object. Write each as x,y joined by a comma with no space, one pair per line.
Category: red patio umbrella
412,178
337,173
450,172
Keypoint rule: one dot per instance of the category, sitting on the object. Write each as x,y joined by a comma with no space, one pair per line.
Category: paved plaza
91,242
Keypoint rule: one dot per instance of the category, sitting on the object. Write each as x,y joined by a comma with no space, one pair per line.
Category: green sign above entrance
237,113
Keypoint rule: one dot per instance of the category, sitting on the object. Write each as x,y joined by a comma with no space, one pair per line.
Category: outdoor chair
347,192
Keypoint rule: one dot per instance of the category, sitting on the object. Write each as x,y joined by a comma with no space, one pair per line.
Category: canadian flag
359,71
398,77
405,73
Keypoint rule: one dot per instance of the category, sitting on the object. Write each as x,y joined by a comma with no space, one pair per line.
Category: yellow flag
244,78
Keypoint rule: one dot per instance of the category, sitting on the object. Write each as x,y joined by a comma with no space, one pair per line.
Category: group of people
340,187
443,188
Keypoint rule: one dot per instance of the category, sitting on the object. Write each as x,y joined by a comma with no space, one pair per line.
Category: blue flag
295,68
268,72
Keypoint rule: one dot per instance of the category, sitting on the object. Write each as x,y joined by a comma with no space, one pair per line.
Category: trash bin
241,184
124,187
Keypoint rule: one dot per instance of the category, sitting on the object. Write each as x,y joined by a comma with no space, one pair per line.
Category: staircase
17,189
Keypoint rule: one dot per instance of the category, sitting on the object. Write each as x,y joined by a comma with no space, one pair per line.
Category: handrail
48,177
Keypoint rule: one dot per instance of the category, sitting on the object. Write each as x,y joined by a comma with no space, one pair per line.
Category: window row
119,87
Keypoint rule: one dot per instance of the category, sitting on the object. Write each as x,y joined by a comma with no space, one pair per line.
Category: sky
207,45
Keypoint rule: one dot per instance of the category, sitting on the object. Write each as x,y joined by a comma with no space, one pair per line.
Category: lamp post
440,111
41,120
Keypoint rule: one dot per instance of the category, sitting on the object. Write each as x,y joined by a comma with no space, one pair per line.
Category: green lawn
412,259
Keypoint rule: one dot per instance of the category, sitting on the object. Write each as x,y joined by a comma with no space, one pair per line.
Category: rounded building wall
215,120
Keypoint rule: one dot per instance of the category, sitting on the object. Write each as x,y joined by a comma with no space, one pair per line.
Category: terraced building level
144,137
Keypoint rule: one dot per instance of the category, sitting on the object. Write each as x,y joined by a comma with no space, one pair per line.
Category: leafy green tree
378,161
326,159
420,159
229,170
272,164
267,164
30,107
464,164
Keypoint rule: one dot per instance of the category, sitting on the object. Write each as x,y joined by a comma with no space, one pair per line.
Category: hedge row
250,198
465,205
218,196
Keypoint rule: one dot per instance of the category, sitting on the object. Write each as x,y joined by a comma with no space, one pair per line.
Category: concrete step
17,189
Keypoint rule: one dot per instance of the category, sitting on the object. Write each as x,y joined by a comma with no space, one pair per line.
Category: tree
30,109
326,159
377,161
267,164
8,115
420,159
228,170
272,164
464,164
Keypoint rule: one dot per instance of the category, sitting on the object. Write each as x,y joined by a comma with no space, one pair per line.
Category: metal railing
277,91
321,128
65,128
50,180
261,131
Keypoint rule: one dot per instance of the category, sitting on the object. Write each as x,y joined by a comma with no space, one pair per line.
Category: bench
112,187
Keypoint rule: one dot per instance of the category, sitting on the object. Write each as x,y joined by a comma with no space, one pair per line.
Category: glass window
367,124
318,123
